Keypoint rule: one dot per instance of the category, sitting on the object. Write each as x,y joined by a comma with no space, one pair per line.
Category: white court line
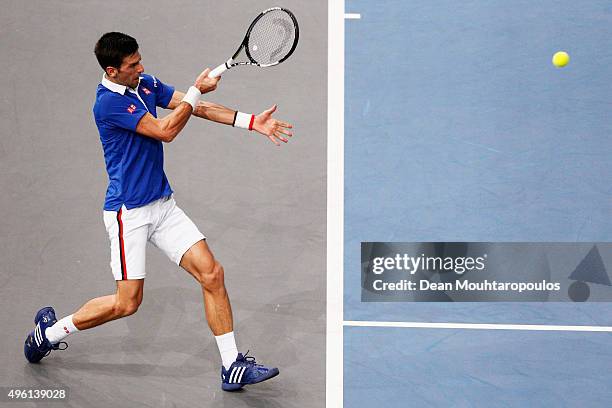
334,361
478,326
352,16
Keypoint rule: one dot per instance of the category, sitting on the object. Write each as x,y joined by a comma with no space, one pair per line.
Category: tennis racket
270,40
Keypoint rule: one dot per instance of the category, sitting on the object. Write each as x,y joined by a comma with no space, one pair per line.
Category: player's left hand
273,129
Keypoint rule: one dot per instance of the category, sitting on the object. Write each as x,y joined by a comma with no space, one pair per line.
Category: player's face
130,70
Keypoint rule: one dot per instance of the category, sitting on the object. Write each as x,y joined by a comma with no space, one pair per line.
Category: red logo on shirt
131,108
146,91
66,330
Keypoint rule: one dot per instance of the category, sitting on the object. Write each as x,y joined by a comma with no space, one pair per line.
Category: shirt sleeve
121,112
163,93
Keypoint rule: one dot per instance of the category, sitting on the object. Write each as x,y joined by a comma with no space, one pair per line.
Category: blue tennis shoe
37,346
245,371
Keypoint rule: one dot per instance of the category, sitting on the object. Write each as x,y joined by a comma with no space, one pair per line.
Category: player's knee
211,278
126,308
131,308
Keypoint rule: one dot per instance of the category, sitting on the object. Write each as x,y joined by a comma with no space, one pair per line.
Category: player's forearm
166,129
172,124
206,110
216,113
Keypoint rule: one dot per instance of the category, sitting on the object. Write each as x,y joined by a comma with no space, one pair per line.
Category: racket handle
218,71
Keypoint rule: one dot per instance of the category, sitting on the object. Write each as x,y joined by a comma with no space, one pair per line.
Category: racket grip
217,71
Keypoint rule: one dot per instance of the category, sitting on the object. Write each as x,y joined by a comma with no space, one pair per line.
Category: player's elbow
168,136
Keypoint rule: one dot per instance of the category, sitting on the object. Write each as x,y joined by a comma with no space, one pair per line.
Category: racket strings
272,38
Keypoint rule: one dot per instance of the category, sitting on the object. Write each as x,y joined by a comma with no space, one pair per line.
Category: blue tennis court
459,128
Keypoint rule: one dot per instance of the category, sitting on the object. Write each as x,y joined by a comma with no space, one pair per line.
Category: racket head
271,38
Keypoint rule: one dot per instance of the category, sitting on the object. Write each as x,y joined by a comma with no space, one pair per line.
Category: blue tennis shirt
134,163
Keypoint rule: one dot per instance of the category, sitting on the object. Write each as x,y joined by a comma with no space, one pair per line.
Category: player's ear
111,72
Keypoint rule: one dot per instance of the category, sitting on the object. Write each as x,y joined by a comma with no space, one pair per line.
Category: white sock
60,330
227,347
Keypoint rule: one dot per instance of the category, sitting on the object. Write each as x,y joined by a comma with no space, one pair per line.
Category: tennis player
140,206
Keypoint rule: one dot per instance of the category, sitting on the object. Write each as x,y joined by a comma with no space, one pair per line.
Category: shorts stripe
121,246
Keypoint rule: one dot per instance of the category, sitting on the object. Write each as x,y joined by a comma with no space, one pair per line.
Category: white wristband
192,96
243,120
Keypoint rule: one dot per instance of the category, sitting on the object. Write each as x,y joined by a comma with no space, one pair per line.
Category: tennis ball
560,59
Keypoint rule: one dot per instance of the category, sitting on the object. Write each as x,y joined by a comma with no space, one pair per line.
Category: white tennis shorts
160,222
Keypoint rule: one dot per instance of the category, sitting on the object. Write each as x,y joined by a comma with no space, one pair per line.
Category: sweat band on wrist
192,96
243,120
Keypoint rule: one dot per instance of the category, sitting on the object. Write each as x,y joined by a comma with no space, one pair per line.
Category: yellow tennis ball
560,59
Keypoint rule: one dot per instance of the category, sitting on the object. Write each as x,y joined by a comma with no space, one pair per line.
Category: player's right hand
206,84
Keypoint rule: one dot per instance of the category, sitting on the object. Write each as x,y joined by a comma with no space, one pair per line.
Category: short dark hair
113,47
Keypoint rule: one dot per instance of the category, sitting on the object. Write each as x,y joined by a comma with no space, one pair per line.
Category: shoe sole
231,387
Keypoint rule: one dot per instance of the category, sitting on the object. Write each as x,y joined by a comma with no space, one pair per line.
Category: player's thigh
128,232
130,291
175,233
